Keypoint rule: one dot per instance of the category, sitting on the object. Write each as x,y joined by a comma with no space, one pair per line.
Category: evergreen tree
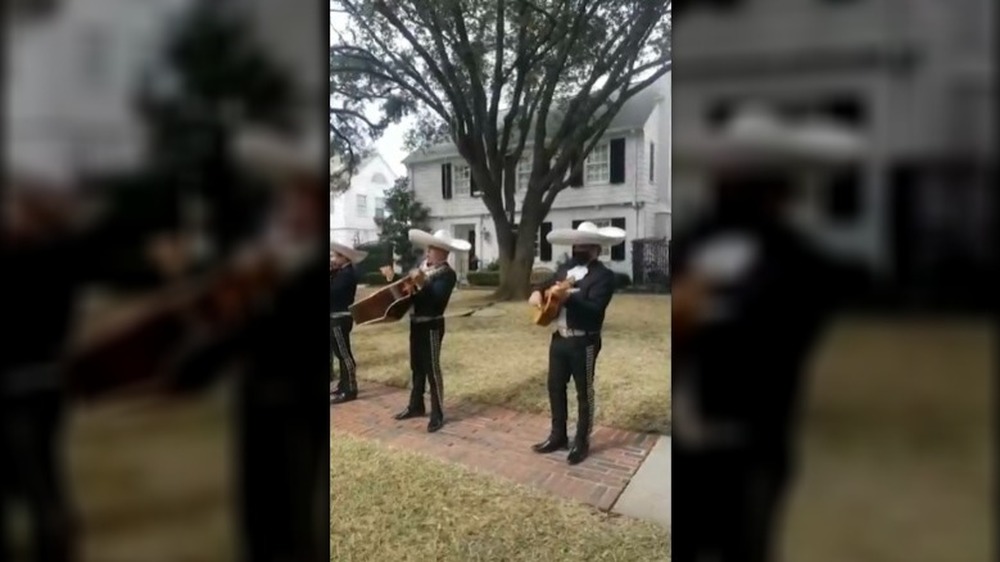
402,212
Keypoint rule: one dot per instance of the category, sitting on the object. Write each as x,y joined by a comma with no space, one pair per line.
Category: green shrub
374,278
484,278
622,280
540,274
379,254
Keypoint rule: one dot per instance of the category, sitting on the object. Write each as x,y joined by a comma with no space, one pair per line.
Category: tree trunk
517,258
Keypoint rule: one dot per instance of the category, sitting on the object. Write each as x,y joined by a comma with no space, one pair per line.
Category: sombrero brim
356,256
427,240
803,147
573,237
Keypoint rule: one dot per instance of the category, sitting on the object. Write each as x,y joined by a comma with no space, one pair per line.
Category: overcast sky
390,146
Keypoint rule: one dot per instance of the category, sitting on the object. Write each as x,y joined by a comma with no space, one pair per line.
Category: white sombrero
272,153
440,239
757,136
586,234
353,255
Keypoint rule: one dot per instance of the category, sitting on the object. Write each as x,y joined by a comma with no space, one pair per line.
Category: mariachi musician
427,322
284,429
588,286
343,289
51,249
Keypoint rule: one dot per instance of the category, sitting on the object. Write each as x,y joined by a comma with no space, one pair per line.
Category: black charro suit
573,354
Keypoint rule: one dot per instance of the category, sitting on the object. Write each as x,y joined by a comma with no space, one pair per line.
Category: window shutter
446,181
844,201
473,188
575,180
617,161
618,252
545,249
652,162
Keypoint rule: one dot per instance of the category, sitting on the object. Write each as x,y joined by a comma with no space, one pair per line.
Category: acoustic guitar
138,352
392,302
552,302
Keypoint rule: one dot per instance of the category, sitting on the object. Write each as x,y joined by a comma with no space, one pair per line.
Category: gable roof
337,164
633,115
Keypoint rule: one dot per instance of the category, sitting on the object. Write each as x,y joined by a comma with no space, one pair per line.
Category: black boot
551,444
341,397
579,452
436,422
411,411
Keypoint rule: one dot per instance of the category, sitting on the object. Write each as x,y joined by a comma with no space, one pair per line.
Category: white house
626,183
73,72
71,76
914,76
353,212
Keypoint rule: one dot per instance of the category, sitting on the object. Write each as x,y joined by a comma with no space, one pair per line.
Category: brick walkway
498,441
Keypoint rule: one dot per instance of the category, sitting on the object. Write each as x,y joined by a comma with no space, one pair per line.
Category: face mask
581,258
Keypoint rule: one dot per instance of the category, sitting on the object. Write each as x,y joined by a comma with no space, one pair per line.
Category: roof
336,163
633,115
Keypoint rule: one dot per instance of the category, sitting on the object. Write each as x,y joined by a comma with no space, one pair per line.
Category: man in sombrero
284,428
427,322
751,291
576,343
343,289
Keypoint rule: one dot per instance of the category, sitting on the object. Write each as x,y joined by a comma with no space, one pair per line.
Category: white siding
644,205
346,225
911,112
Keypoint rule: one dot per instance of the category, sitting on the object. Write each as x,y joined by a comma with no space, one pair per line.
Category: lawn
152,480
897,455
405,506
500,358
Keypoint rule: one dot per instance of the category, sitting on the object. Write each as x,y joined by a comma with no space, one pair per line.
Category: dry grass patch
388,504
897,455
152,481
502,359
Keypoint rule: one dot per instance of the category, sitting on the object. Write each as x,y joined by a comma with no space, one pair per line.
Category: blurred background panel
896,438
131,109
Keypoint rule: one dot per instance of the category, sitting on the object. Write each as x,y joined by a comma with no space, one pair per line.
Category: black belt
571,333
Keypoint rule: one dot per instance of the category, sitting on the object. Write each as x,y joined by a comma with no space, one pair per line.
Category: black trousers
730,506
31,465
340,343
425,364
283,494
573,358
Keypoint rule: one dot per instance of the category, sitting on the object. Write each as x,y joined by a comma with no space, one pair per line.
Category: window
379,179
362,206
597,168
462,180
652,162
380,207
523,174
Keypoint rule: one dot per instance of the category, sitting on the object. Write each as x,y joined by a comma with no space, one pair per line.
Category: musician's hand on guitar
169,254
388,272
535,299
559,291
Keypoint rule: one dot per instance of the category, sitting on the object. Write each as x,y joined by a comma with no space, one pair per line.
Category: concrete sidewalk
647,495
